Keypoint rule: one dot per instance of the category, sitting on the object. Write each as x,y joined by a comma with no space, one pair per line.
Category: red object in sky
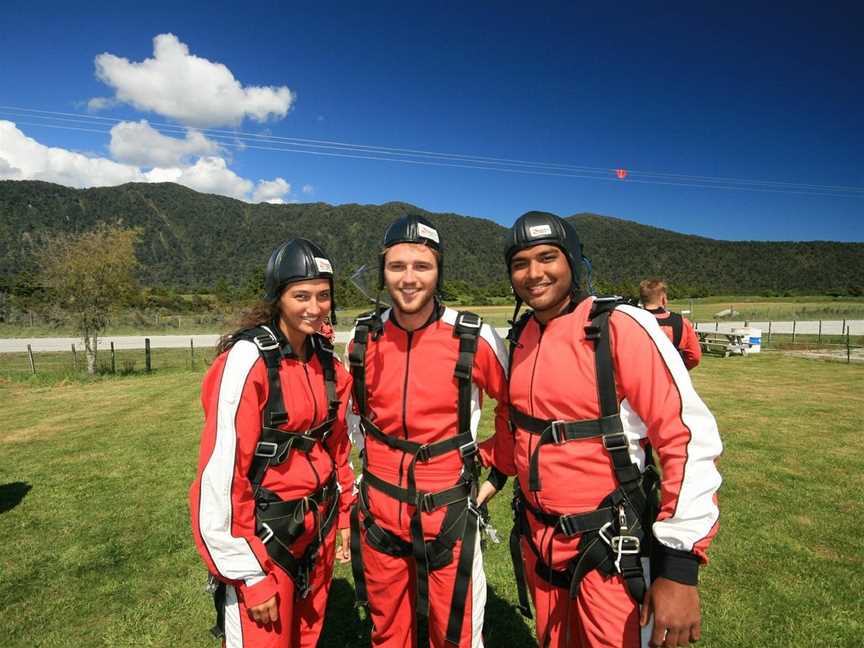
621,173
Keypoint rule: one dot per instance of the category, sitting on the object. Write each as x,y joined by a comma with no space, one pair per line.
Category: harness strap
280,523
676,323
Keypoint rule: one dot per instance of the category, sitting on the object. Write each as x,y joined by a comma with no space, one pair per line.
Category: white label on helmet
323,265
427,232
536,231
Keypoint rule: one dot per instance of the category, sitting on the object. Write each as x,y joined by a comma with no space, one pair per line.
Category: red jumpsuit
689,347
412,394
553,377
234,393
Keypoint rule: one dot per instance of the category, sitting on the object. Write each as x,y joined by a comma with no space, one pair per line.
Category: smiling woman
274,402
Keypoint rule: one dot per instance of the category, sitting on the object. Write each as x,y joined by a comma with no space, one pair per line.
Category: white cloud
23,158
207,175
271,191
141,144
35,161
188,88
100,103
308,189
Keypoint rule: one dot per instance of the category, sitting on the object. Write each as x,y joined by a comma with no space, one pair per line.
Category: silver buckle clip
556,435
462,321
267,536
266,449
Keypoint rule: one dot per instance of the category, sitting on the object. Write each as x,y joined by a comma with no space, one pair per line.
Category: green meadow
97,549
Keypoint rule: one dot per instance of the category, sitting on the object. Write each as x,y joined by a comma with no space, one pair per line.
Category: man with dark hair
653,297
594,386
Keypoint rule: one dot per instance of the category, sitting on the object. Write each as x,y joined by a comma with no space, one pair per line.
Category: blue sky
769,96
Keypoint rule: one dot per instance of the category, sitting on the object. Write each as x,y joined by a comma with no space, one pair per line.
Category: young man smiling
594,385
419,369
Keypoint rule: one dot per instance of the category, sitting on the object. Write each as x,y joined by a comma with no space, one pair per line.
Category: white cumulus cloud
23,158
308,189
30,160
271,191
141,144
193,90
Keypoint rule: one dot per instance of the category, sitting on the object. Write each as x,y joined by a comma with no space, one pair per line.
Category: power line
244,140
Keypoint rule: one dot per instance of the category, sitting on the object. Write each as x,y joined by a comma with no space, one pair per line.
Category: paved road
19,345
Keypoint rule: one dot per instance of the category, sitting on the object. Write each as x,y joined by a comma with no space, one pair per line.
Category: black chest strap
275,444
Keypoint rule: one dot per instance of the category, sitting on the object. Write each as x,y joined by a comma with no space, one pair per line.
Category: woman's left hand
343,549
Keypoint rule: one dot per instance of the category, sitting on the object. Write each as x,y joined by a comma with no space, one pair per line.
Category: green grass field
98,551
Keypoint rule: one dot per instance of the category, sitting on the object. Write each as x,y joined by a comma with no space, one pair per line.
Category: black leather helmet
412,228
297,260
539,228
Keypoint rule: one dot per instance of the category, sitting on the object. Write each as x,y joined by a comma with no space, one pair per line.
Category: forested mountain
194,241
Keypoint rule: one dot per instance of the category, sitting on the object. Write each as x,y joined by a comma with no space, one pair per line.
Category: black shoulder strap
324,350
467,329
614,439
676,323
366,325
514,334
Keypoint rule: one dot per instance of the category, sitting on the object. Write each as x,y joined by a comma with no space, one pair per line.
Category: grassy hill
192,241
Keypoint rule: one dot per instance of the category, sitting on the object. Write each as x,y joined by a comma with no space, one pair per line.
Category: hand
266,612
343,551
487,492
677,619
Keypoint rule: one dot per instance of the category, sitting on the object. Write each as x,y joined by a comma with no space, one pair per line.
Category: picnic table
724,344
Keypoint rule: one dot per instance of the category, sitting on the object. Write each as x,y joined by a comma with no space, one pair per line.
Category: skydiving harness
461,519
616,535
674,321
279,523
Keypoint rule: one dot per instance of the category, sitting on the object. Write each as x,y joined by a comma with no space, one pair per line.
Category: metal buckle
626,544
270,448
472,449
423,453
609,441
267,536
461,321
556,435
265,342
424,502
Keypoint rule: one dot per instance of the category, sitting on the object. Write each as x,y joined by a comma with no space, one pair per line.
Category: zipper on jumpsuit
314,419
410,335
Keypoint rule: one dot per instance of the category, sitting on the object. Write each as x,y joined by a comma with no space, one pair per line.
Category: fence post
192,352
794,322
716,325
819,340
769,331
843,328
147,354
30,356
848,349
113,359
74,359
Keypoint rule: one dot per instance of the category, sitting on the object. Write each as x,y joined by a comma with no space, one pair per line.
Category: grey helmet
297,260
412,228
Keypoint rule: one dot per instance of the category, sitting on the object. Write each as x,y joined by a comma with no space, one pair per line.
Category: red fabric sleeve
691,352
339,446
234,392
682,431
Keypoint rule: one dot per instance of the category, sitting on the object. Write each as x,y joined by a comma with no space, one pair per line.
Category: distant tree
88,276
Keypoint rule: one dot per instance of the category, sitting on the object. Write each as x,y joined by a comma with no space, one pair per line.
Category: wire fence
108,361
